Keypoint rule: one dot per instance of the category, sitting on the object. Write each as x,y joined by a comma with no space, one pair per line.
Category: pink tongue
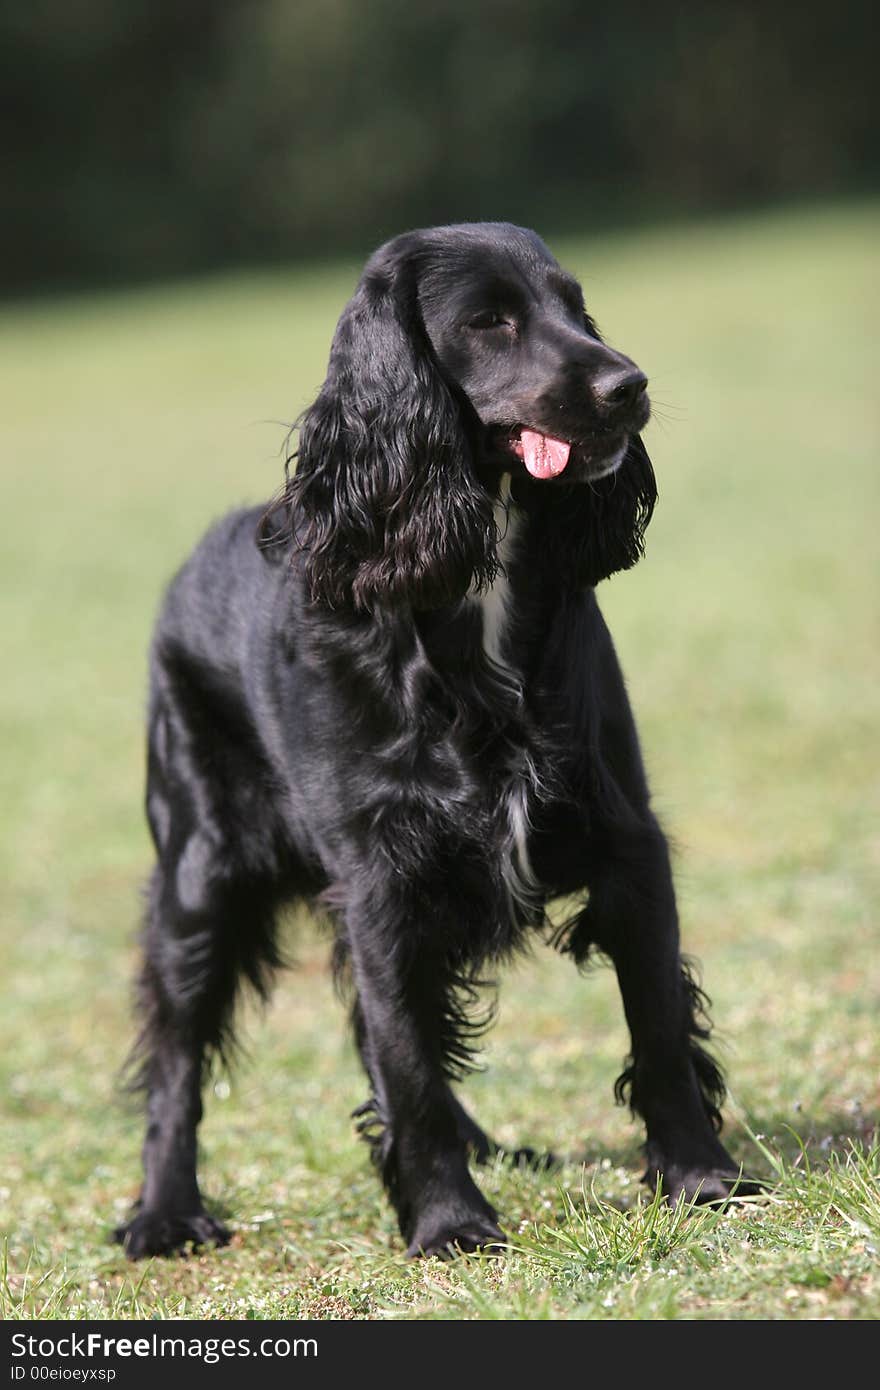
543,456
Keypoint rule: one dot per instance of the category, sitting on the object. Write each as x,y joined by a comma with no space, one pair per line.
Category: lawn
749,635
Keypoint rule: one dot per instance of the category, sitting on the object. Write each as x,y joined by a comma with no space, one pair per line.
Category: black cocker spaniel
393,695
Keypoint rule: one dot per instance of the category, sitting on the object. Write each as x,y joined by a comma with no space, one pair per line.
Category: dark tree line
149,137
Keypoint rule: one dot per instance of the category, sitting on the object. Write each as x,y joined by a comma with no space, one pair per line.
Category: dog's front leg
671,1080
404,1034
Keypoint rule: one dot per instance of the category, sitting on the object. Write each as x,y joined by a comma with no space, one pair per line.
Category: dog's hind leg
186,991
484,1149
209,926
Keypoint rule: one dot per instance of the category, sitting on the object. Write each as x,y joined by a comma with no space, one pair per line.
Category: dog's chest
500,774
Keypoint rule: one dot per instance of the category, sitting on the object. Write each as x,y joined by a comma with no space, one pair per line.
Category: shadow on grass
595,1169
818,1135
818,1141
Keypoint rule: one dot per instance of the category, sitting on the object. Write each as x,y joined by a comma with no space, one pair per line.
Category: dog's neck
530,588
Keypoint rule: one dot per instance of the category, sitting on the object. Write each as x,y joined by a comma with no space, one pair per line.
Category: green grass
749,636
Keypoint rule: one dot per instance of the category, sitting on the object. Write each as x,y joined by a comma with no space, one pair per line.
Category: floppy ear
595,529
384,504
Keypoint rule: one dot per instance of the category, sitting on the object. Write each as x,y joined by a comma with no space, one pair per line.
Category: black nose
621,389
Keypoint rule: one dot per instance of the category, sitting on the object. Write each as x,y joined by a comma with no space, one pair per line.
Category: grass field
750,639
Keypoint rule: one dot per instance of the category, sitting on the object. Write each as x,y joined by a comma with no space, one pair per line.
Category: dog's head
466,352
509,327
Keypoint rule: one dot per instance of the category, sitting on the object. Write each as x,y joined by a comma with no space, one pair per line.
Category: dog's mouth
543,456
546,456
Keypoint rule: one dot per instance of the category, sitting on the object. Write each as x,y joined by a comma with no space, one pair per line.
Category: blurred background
189,192
146,138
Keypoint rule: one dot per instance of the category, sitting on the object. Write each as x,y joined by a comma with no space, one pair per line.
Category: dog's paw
163,1233
702,1186
538,1160
457,1238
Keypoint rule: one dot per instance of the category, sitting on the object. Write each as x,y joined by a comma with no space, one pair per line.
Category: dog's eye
488,318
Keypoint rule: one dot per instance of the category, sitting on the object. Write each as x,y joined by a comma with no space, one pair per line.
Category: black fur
334,718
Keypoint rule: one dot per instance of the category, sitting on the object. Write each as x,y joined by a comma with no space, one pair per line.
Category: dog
392,695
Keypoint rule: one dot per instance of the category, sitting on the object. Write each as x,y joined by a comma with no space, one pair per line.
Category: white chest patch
519,876
494,603
494,606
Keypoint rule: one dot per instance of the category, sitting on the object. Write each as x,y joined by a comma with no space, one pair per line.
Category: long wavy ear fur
384,505
595,529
